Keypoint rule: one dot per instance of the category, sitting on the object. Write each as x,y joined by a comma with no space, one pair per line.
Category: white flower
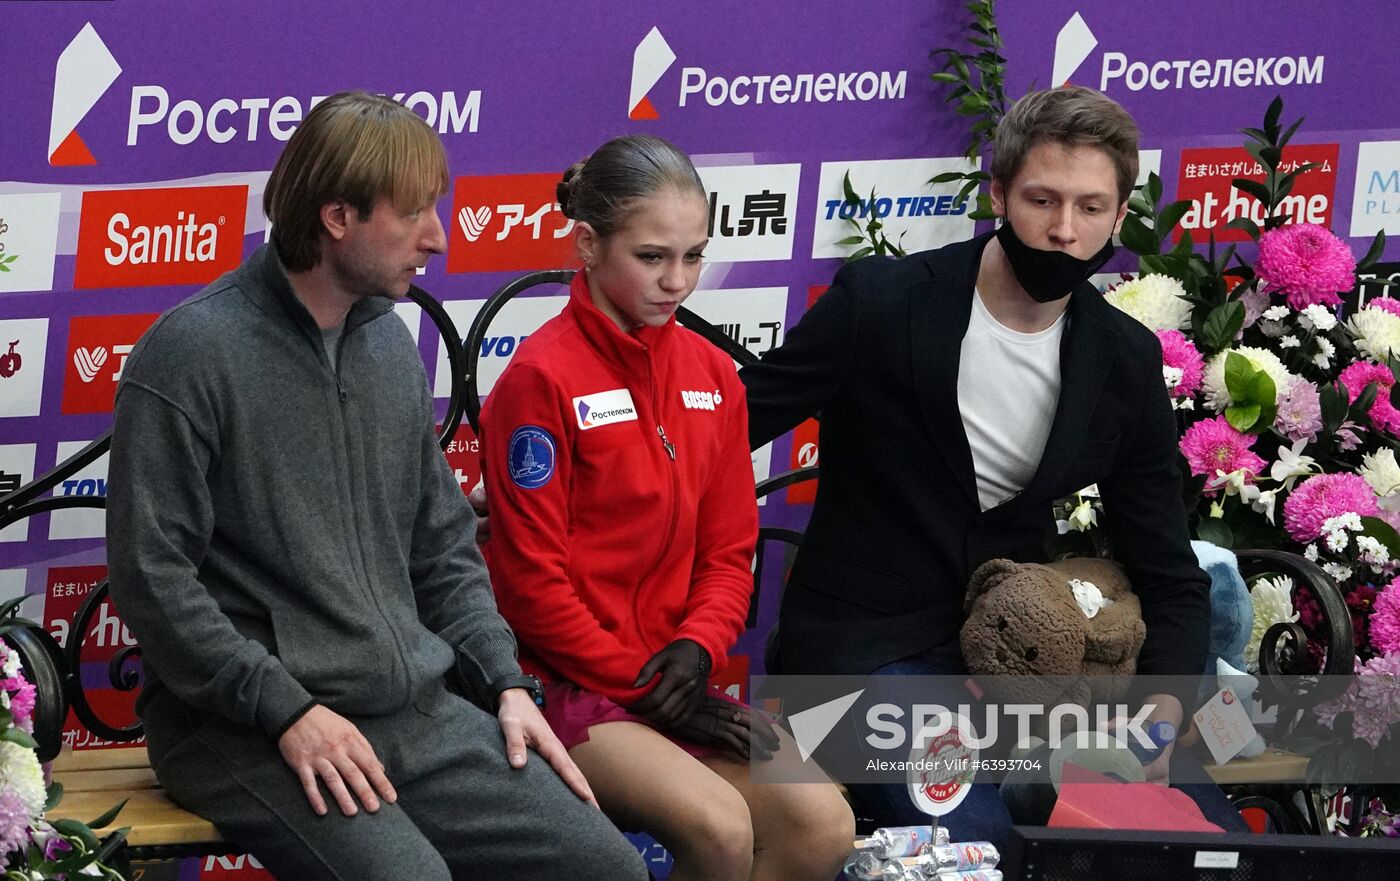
1372,552
1310,552
1289,342
1271,328
1171,375
1083,517
1218,396
1157,301
1217,510
1273,604
1262,501
1338,541
1325,351
1381,471
11,666
1183,404
1292,464
1320,317
1339,573
1276,313
1349,520
1233,483
20,773
1377,333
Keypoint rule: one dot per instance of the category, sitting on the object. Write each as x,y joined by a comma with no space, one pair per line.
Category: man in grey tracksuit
288,543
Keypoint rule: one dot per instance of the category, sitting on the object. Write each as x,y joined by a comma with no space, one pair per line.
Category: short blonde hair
1073,116
355,147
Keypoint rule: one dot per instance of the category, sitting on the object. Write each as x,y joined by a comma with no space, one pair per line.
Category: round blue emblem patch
531,457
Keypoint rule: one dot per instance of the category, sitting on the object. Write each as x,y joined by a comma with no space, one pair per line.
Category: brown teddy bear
1034,632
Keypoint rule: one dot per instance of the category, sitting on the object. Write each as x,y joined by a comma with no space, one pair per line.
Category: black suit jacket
896,530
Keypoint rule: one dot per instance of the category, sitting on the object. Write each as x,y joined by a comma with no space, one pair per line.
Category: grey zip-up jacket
282,530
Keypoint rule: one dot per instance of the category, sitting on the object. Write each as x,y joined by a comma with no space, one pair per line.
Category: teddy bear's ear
985,578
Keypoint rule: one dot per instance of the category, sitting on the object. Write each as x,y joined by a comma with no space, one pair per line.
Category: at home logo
85,70
1072,47
171,235
651,59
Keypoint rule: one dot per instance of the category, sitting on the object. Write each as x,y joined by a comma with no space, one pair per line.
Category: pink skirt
571,711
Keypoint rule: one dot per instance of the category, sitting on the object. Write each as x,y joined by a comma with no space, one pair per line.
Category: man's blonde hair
1074,116
353,147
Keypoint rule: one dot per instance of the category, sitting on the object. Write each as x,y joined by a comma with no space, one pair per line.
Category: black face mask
1048,275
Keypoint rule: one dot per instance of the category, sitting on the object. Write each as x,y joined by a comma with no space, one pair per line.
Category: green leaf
850,190
1243,416
1245,223
1252,187
945,77
1222,324
1215,531
1262,390
1256,134
54,794
863,252
946,177
17,735
1362,405
106,819
1238,375
1136,237
1288,135
1138,205
851,240
1373,253
75,829
1382,532
1153,188
1170,216
1334,405
1271,117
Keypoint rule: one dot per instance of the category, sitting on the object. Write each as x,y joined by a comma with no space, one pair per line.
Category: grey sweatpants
462,811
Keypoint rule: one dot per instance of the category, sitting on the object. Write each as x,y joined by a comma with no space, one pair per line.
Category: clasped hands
681,703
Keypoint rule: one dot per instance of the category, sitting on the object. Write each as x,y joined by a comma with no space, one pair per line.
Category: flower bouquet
1284,383
32,848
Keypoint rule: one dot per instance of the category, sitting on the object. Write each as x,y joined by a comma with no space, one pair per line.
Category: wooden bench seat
1272,766
94,780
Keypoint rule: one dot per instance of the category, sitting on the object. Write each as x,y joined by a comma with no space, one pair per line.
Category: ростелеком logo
652,58
1072,46
85,70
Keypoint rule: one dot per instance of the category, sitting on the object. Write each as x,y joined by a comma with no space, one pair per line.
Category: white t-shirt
1008,389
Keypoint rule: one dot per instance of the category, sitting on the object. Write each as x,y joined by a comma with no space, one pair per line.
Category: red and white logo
508,222
97,350
651,59
23,344
463,455
1073,44
1206,179
170,235
85,70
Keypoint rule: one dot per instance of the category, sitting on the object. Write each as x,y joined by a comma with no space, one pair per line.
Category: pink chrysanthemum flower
1299,411
1389,304
1179,354
22,706
1323,496
1385,620
14,827
1213,445
1357,376
1306,263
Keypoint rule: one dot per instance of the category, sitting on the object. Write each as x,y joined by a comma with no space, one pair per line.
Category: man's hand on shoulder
524,726
323,744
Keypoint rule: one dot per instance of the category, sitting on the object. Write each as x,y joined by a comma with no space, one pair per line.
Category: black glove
725,725
684,668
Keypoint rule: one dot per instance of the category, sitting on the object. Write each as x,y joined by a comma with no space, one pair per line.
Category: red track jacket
622,506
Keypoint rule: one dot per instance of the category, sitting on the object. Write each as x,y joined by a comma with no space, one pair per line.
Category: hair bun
564,190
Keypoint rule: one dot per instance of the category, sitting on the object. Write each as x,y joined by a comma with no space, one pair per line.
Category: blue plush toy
1231,611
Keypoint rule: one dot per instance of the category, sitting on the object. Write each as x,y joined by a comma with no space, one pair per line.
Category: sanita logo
701,400
654,56
85,71
168,235
901,206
